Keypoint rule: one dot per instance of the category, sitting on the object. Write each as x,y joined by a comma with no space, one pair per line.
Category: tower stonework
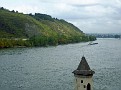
83,76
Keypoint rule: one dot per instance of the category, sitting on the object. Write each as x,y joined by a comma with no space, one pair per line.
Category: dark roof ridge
83,68
83,65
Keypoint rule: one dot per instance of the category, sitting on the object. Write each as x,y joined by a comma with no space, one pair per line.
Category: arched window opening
88,86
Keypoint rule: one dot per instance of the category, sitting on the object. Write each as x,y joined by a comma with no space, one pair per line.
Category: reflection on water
51,68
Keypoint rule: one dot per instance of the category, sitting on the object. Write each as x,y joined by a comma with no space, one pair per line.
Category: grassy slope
40,28
20,25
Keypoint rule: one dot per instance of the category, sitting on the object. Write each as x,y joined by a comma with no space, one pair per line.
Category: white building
83,76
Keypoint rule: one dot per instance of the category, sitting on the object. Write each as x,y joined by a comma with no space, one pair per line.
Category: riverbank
42,41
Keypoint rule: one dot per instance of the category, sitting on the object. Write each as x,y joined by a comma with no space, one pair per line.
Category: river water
50,68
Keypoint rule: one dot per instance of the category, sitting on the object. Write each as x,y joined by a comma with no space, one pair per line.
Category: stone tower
83,76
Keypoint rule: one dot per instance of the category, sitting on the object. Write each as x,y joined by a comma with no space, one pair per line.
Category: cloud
71,1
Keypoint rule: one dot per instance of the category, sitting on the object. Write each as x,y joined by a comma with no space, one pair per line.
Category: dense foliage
39,29
7,43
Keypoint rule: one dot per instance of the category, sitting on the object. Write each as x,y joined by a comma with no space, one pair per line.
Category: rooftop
83,68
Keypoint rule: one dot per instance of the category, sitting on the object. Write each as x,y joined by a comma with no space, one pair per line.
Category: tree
117,36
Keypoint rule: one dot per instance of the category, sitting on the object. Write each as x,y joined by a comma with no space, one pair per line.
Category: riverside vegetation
18,30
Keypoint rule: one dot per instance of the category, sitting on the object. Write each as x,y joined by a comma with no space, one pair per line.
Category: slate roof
83,68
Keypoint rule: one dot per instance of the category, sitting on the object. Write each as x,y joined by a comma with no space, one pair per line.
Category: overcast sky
91,16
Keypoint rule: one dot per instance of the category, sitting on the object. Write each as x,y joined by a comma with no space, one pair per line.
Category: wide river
50,68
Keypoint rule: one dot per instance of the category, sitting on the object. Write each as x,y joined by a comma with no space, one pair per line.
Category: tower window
84,86
81,81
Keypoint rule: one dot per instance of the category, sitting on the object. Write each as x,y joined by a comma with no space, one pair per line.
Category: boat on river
92,43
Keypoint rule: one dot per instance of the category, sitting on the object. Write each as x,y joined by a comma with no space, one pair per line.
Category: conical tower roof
83,68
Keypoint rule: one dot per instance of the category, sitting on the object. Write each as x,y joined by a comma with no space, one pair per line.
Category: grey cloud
84,5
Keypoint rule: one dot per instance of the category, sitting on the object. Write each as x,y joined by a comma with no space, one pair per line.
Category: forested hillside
18,29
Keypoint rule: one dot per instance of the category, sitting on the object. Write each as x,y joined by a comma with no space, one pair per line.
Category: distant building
83,76
99,35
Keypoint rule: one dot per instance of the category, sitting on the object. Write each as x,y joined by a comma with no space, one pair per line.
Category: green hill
38,29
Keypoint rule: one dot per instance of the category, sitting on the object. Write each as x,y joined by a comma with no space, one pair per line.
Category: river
50,68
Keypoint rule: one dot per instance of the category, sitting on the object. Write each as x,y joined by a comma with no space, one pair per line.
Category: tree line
39,41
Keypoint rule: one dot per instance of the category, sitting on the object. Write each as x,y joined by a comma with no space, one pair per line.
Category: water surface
51,68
